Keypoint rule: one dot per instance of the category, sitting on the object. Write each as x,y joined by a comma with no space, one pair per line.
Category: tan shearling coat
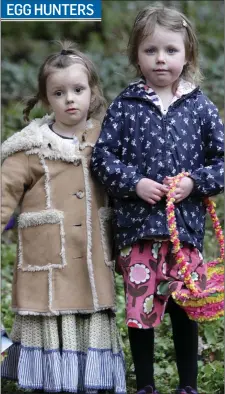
64,262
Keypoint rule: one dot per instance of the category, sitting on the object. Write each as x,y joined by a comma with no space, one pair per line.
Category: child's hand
183,188
150,191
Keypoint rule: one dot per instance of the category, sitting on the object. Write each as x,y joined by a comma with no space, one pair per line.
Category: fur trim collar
37,138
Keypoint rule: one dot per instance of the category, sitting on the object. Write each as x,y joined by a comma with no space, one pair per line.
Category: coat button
79,194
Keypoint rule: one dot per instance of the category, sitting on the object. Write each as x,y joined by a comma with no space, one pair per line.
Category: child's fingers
160,192
151,201
156,197
178,197
163,188
167,182
168,178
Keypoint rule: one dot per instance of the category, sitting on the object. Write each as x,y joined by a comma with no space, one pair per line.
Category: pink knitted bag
200,305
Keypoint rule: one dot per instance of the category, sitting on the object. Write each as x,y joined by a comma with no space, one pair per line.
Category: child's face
161,57
69,95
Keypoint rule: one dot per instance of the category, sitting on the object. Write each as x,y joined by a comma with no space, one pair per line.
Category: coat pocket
41,240
106,230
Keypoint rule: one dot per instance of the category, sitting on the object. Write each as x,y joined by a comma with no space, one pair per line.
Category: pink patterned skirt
150,275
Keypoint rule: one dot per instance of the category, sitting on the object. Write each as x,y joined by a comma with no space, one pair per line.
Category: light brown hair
60,60
171,19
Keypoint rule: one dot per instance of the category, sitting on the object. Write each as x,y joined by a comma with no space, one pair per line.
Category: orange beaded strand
174,236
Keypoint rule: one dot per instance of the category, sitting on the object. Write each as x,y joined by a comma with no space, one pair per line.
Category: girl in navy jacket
156,128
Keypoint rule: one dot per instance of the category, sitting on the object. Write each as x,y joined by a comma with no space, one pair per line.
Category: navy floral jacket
137,140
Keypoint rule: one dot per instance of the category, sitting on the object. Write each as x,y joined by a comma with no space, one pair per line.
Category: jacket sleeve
209,179
119,179
15,178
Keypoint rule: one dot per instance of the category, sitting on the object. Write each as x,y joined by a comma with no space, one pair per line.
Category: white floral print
148,304
134,323
125,251
139,273
155,249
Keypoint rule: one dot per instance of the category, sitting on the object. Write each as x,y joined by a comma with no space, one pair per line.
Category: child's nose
160,56
70,97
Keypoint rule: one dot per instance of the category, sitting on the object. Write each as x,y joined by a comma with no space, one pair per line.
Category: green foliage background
24,46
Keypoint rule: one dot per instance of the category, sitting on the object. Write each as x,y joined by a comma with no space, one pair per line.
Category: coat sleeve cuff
197,189
133,183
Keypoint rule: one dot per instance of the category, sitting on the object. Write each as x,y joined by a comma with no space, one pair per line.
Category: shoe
190,390
186,390
148,390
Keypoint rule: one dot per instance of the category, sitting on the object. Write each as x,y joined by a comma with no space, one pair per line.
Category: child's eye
150,50
58,93
171,50
79,89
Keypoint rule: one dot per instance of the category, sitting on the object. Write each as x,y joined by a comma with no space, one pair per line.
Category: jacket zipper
164,119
